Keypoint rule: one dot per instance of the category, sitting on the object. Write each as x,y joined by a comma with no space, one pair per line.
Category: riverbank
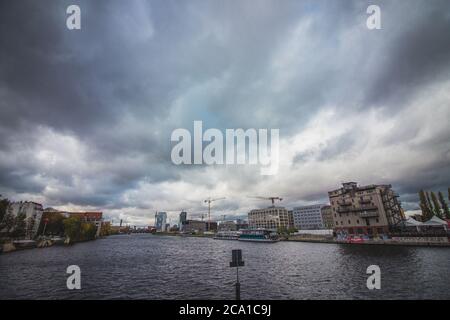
424,242
12,246
375,242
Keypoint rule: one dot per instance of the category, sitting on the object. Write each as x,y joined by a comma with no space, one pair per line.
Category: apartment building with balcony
364,210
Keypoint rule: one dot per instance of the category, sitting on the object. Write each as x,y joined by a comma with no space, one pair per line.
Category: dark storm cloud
86,116
419,50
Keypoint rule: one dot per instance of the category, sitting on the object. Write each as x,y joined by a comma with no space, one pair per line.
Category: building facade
227,226
194,226
269,218
308,217
364,210
161,221
33,214
291,218
241,224
183,218
327,217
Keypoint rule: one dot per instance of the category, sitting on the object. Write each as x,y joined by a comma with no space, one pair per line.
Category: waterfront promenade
145,266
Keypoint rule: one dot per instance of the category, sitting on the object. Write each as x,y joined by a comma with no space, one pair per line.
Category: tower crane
269,198
209,200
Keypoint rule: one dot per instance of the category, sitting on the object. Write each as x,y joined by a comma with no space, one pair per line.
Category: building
183,218
227,226
364,210
308,217
269,218
211,226
194,226
161,221
33,214
291,218
327,217
241,224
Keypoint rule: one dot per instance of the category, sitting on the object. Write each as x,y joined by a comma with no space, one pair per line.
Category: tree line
14,227
20,227
432,205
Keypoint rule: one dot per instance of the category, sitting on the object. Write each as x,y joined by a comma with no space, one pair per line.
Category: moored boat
258,235
227,235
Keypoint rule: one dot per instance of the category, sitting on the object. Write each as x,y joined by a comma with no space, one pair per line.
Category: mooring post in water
236,262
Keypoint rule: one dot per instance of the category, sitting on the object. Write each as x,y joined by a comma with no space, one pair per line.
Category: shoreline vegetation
11,246
19,232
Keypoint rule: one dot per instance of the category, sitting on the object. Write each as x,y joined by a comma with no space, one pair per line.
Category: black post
237,262
238,285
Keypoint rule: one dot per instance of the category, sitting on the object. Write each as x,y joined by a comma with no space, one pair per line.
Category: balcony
365,200
369,214
344,203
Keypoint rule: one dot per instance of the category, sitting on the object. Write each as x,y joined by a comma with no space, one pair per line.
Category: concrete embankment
375,242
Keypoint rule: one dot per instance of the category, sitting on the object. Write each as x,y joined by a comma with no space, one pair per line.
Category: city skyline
86,115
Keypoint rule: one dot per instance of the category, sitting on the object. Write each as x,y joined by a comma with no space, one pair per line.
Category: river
144,266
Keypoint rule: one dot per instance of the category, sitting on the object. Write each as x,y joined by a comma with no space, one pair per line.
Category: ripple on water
162,267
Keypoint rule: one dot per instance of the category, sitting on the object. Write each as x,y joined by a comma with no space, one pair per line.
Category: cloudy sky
86,115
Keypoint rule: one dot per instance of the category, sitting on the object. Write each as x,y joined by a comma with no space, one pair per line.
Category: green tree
444,205
20,226
282,230
55,224
72,228
292,230
88,231
436,205
8,223
424,206
4,204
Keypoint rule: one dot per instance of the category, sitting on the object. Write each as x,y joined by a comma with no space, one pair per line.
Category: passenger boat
227,235
258,235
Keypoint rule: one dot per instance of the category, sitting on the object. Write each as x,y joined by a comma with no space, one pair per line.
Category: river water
144,266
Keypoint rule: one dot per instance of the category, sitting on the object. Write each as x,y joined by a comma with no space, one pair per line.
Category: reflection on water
164,267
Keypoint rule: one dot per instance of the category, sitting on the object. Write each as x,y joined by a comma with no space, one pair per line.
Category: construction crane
209,200
269,198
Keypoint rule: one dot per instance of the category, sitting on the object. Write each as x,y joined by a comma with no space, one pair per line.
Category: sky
86,115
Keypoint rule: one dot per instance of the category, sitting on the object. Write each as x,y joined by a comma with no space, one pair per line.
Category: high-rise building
160,221
269,218
364,210
183,219
308,217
